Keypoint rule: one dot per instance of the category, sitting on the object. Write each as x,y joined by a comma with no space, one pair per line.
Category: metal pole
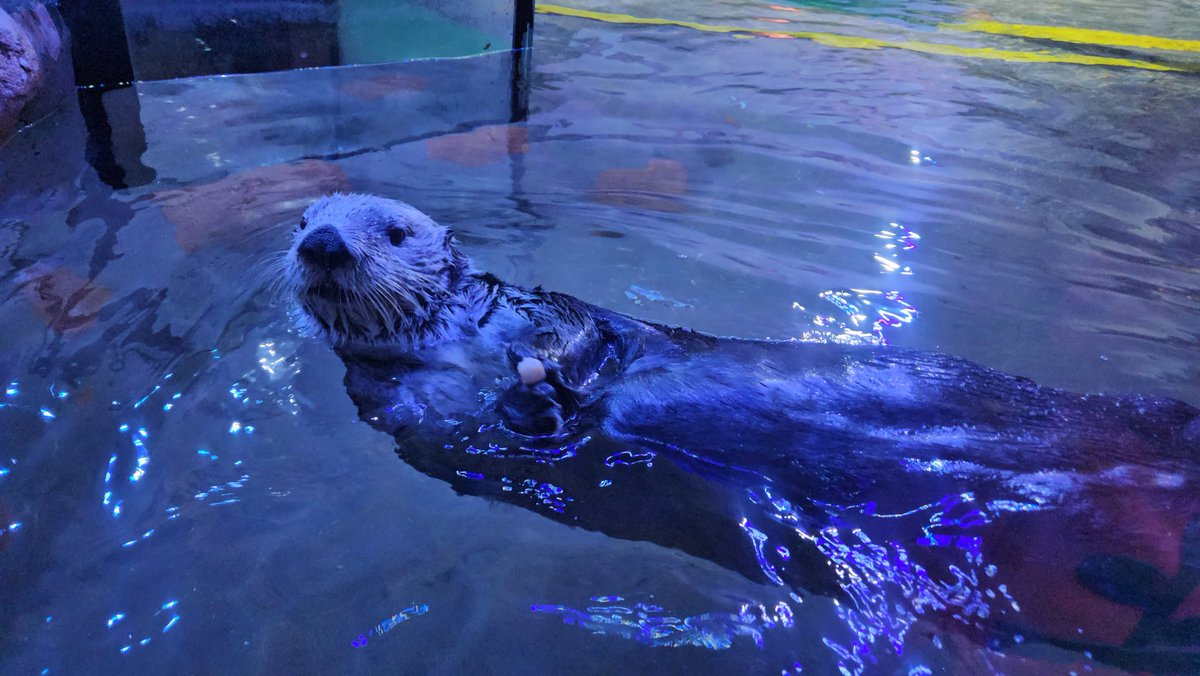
103,78
521,45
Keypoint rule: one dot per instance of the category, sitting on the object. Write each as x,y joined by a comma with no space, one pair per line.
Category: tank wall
182,38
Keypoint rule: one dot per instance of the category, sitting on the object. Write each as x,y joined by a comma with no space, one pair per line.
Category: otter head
369,272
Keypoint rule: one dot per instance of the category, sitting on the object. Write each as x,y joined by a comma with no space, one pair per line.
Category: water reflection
836,509
1059,231
390,623
166,616
652,625
879,310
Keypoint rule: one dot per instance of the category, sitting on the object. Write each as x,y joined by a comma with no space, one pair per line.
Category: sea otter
540,399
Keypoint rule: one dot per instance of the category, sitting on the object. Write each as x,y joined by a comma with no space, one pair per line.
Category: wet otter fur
382,281
432,348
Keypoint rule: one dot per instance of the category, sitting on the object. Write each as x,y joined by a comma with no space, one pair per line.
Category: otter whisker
397,312
385,300
377,304
269,271
284,275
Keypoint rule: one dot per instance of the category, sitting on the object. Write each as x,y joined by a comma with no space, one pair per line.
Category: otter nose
325,248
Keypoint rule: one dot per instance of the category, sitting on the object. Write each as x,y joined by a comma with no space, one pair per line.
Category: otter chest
453,381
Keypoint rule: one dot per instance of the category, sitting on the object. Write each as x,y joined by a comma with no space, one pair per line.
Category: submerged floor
187,482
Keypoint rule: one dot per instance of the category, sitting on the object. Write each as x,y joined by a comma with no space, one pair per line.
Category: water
173,450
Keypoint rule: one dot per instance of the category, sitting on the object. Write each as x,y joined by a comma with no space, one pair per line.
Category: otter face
370,271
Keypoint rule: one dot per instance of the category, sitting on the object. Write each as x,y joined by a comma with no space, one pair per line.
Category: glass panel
181,38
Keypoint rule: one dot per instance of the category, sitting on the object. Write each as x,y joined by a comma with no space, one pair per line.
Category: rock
18,61
62,299
231,210
656,187
479,147
30,42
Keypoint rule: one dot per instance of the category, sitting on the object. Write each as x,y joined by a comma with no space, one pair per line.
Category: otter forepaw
532,410
541,402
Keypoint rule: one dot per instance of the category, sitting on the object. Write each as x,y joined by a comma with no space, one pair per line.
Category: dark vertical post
100,55
98,46
521,43
522,55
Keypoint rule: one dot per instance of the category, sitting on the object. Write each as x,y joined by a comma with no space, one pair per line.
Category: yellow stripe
1083,36
851,42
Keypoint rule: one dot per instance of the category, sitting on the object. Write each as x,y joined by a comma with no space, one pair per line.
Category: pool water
185,483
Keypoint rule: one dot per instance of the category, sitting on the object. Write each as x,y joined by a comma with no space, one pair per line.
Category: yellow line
1084,36
850,42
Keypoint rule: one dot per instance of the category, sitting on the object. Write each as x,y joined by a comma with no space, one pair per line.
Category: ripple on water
761,186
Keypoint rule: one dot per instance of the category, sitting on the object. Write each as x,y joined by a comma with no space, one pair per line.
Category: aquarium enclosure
115,45
599,336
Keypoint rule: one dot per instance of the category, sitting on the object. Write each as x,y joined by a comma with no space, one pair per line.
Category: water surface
185,480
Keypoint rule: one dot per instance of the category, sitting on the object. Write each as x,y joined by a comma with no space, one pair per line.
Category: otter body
755,403
756,454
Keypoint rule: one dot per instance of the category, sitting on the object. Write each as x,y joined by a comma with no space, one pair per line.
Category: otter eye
396,236
303,222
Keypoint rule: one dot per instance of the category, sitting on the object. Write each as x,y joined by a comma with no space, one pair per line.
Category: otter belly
779,402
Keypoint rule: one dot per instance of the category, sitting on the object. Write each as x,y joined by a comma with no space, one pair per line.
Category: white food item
531,370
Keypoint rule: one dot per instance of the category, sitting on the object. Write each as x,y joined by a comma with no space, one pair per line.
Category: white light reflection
868,315
916,157
888,578
650,624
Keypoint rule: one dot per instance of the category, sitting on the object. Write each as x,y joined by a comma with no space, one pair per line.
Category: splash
651,625
640,295
390,623
546,494
629,458
868,316
893,567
